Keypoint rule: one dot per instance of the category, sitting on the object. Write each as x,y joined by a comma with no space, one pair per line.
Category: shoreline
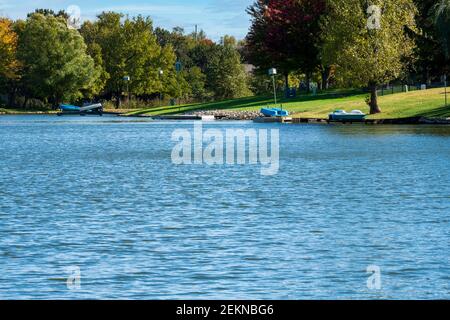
256,117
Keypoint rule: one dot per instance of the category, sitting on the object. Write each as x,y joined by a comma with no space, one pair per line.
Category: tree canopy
56,65
8,47
356,43
441,15
286,34
367,56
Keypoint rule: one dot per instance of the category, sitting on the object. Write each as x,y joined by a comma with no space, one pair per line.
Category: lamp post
445,89
178,68
127,81
160,74
273,73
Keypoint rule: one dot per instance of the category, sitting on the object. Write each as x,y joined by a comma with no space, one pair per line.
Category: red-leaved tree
286,34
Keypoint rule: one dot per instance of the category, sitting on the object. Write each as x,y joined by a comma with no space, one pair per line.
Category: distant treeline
44,61
339,43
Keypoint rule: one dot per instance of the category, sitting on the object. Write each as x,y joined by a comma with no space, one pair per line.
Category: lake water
102,195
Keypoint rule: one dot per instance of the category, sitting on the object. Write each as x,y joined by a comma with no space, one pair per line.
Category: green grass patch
427,103
22,111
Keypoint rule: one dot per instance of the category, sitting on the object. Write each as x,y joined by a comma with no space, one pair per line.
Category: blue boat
274,112
69,108
96,108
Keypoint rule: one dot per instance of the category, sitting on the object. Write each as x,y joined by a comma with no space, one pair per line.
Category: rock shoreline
228,115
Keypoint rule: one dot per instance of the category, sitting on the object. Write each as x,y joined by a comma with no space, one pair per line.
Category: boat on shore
96,108
274,112
342,115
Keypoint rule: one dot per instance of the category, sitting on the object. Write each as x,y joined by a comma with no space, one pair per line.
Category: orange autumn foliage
8,47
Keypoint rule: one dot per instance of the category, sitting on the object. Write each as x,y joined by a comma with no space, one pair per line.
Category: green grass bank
427,103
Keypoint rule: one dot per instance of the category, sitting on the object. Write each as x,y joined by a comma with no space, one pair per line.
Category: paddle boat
342,115
96,108
274,112
69,108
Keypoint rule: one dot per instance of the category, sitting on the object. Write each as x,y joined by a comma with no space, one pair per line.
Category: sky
215,17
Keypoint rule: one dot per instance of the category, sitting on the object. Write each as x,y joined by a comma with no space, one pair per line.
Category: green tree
369,56
129,48
430,61
225,73
442,22
182,44
56,66
196,80
188,48
50,12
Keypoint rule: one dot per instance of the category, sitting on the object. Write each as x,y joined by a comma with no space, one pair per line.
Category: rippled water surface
102,194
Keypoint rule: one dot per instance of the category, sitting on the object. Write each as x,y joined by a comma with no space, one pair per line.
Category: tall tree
286,34
441,17
56,66
129,48
369,49
181,43
225,73
430,61
50,12
9,65
8,48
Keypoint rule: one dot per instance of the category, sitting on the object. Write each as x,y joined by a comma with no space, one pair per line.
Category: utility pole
196,32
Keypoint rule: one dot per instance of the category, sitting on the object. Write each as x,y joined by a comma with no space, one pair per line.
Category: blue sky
215,17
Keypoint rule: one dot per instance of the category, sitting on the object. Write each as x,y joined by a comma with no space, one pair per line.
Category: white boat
342,115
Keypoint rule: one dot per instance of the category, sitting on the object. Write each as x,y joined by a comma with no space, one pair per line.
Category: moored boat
97,107
69,108
274,112
342,115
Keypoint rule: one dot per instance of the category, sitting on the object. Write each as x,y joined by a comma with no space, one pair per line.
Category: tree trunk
25,102
57,103
374,108
308,82
326,77
118,100
12,98
286,81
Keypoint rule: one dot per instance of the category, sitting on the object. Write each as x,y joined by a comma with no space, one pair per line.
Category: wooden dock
273,120
178,117
411,120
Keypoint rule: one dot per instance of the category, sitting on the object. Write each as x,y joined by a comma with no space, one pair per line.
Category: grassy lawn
21,111
429,103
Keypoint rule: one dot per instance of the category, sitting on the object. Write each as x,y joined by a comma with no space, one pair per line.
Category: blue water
102,194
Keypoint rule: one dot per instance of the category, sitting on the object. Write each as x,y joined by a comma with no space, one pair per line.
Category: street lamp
445,86
178,69
273,74
127,81
160,74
